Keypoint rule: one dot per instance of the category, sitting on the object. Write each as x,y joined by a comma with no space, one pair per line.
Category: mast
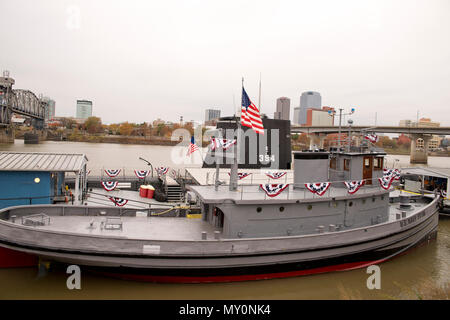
234,166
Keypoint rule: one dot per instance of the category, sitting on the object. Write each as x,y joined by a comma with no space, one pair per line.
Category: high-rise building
211,114
308,99
296,118
84,109
283,109
320,117
49,106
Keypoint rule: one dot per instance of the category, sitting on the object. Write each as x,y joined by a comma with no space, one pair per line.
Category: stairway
174,193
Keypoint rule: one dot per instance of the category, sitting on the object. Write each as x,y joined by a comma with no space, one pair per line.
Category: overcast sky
140,60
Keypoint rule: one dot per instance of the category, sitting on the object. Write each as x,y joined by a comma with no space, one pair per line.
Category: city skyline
382,57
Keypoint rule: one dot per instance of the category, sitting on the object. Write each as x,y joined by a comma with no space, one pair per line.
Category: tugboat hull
229,259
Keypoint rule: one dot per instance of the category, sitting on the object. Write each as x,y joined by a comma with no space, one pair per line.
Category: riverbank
160,141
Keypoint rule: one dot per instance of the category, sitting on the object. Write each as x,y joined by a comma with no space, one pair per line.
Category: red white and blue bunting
118,201
272,190
318,188
241,175
162,170
385,182
353,186
141,174
276,175
109,185
112,173
223,143
371,137
393,174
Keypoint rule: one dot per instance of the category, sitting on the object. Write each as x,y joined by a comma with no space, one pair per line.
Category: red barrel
150,191
143,191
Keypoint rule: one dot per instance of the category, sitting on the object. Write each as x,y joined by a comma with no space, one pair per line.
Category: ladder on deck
174,193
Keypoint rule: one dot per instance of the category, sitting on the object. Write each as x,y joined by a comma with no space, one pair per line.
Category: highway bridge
376,129
417,155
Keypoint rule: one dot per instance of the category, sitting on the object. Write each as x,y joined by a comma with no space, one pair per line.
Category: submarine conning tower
337,165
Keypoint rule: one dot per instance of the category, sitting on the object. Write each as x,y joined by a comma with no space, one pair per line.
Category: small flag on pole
192,147
250,116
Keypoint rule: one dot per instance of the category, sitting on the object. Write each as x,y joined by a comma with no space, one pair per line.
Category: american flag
250,116
192,147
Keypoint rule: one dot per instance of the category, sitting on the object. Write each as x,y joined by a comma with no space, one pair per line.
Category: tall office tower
283,109
308,99
296,118
84,109
49,107
212,114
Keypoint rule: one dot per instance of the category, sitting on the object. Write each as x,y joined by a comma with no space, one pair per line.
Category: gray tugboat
337,215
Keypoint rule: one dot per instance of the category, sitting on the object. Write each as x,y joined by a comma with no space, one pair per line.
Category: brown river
422,273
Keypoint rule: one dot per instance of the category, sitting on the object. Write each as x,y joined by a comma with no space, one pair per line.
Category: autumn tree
126,128
93,125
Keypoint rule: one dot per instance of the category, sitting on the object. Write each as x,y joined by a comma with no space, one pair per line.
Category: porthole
309,206
350,203
259,209
373,199
281,209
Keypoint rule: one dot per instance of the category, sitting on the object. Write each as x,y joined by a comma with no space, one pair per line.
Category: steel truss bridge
19,101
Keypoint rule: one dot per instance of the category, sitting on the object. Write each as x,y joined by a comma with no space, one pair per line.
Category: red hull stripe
233,278
15,259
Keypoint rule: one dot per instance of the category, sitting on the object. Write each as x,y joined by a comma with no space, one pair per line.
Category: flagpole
234,166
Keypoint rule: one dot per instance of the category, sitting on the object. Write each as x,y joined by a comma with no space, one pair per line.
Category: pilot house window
333,163
346,164
378,163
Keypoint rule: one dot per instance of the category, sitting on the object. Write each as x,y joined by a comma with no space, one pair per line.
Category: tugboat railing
296,189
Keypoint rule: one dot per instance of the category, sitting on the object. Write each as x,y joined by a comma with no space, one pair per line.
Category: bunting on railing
385,182
216,143
318,188
272,190
141,174
118,201
241,175
109,185
353,186
391,174
371,137
112,173
276,175
162,170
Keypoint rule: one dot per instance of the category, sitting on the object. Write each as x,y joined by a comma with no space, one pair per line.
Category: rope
166,211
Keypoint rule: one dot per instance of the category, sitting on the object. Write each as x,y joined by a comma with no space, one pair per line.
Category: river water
423,272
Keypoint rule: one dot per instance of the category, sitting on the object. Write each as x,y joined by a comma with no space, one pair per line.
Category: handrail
132,200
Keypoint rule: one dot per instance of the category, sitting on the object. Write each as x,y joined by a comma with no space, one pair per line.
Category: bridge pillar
316,140
419,154
7,134
35,137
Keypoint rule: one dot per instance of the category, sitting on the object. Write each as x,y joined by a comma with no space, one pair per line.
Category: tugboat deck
156,228
147,228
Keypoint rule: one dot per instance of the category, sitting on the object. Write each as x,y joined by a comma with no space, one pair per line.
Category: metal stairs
174,193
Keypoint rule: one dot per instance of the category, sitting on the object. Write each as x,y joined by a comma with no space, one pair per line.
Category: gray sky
140,60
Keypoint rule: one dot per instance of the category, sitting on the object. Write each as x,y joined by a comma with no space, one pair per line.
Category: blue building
39,178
